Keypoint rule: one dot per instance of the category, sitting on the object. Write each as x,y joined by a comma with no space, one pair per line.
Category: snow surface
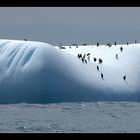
36,72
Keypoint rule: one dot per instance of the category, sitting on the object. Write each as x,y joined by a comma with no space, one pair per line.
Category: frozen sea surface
79,117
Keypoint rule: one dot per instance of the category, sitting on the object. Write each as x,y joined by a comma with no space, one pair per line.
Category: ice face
37,72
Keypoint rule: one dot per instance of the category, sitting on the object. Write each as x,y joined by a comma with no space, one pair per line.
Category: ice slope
113,87
36,72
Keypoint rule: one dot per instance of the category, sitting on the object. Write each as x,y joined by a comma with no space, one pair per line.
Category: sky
71,25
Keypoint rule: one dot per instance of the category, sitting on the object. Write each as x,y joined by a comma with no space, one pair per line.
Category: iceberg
37,72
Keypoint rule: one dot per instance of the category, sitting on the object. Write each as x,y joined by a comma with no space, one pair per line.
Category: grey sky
71,24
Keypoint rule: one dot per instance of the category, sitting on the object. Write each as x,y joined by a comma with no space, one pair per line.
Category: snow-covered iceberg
36,72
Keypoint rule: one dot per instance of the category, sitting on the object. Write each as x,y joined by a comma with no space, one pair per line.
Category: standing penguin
100,60
97,67
102,76
124,77
95,59
85,61
88,56
117,56
97,44
121,48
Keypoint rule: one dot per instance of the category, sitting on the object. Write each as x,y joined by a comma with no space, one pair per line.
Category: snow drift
36,72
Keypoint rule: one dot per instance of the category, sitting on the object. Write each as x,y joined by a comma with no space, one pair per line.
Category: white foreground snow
36,72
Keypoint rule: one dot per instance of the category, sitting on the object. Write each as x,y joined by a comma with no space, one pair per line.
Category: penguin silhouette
97,67
124,77
102,76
